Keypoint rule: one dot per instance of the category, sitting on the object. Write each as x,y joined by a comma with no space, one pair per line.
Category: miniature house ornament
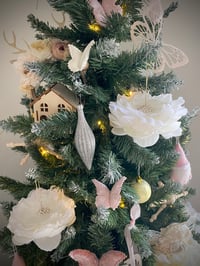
55,99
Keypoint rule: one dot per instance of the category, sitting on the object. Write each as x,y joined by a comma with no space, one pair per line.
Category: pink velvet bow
86,258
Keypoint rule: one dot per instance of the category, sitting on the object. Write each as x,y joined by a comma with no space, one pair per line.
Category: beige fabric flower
41,217
175,245
28,79
41,49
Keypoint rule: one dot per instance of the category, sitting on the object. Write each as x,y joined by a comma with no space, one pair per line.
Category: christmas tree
109,184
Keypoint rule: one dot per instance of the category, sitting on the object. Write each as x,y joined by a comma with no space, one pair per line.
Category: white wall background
181,29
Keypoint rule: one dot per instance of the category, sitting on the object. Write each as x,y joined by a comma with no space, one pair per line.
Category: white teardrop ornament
84,139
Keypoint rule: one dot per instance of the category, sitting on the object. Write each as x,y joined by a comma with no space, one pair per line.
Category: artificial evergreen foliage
111,71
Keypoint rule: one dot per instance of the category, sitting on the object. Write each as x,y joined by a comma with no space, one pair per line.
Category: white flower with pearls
41,217
144,117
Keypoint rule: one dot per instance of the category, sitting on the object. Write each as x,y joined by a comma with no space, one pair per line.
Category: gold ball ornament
142,189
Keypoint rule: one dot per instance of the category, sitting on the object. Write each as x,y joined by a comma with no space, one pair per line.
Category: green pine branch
45,31
133,153
163,83
80,12
34,256
81,17
117,27
20,124
51,72
100,239
16,188
140,236
6,241
6,207
185,125
58,127
170,9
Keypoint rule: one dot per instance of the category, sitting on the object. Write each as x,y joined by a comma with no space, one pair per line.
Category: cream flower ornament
41,217
175,245
28,79
41,49
144,117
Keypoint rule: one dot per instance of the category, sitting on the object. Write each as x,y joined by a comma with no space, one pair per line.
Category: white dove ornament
79,59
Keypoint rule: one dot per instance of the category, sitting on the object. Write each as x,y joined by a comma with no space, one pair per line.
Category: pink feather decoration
101,11
181,172
98,12
86,258
108,198
110,7
18,260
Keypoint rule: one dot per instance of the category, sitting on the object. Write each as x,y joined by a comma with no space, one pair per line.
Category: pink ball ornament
181,172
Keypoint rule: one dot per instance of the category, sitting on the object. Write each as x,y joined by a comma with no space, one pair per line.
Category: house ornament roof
62,91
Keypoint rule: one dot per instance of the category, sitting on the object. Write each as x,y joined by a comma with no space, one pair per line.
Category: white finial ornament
84,139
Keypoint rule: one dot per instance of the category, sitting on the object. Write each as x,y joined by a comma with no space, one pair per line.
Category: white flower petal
20,240
48,243
148,141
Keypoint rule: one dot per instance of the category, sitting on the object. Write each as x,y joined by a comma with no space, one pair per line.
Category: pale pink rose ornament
59,49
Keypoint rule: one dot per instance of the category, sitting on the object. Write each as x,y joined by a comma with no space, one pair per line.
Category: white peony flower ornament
41,217
144,117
